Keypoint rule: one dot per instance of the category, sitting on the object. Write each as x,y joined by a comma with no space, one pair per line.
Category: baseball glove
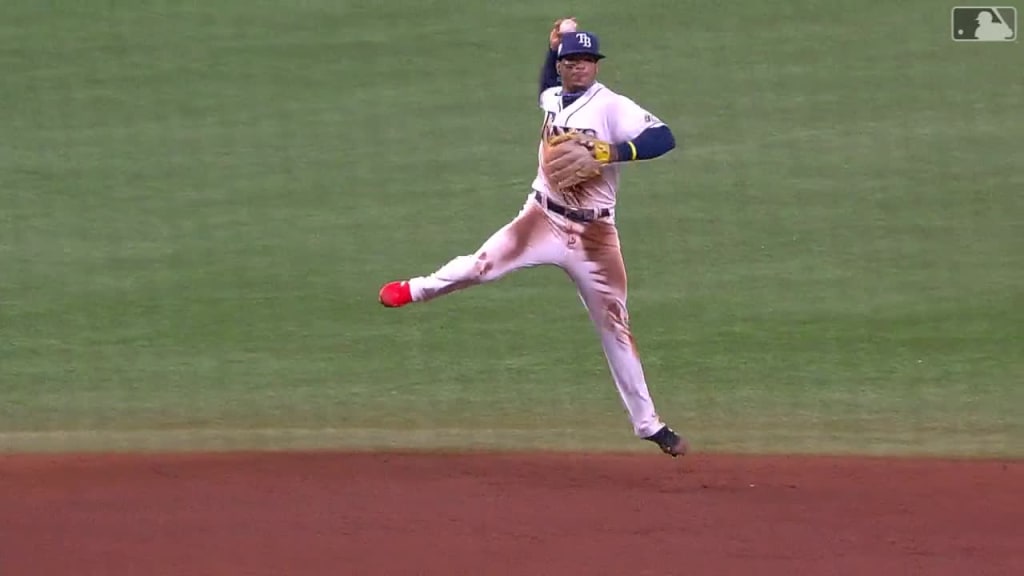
571,159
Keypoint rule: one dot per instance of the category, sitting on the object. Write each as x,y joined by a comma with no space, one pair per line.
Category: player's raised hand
562,25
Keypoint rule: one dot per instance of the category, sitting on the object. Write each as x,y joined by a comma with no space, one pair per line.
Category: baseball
567,25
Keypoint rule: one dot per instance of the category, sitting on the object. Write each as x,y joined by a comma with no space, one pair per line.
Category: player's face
578,71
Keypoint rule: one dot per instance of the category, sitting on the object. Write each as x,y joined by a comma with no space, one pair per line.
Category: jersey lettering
553,130
545,129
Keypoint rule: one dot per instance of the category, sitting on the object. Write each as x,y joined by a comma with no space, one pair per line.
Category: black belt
574,214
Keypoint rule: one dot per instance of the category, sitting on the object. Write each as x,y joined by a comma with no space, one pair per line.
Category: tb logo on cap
580,43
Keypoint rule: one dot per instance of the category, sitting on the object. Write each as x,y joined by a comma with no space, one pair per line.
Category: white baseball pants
589,253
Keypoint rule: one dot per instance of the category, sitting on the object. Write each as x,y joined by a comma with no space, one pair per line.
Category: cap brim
597,55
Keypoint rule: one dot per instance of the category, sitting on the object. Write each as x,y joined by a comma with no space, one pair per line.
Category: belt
574,214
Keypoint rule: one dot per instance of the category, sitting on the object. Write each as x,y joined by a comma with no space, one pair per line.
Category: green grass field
199,201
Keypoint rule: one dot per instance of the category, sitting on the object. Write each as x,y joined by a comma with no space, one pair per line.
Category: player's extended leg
600,277
528,240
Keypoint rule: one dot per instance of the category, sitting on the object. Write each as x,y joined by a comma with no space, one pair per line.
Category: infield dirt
315,514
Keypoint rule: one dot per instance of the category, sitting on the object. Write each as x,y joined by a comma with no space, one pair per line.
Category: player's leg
528,240
600,277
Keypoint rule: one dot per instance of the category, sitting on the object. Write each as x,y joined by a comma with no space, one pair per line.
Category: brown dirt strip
311,514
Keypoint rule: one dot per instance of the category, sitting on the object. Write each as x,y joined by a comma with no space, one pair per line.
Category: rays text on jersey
550,130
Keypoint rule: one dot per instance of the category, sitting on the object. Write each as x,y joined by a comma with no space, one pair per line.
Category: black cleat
670,443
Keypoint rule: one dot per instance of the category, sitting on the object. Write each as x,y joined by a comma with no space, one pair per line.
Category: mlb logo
984,23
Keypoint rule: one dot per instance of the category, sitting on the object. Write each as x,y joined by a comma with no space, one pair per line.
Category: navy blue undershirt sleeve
548,74
651,143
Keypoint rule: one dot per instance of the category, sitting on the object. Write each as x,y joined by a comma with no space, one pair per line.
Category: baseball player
568,219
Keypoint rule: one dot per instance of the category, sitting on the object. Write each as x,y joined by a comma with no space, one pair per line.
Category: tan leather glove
569,161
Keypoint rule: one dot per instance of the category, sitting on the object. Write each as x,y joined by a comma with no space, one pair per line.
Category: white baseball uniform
588,251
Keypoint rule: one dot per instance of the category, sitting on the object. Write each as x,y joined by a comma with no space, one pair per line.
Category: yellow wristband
633,148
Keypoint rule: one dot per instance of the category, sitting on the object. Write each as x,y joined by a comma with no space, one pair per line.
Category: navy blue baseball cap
580,42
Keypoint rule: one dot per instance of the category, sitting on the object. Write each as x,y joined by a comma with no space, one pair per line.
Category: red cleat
395,294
